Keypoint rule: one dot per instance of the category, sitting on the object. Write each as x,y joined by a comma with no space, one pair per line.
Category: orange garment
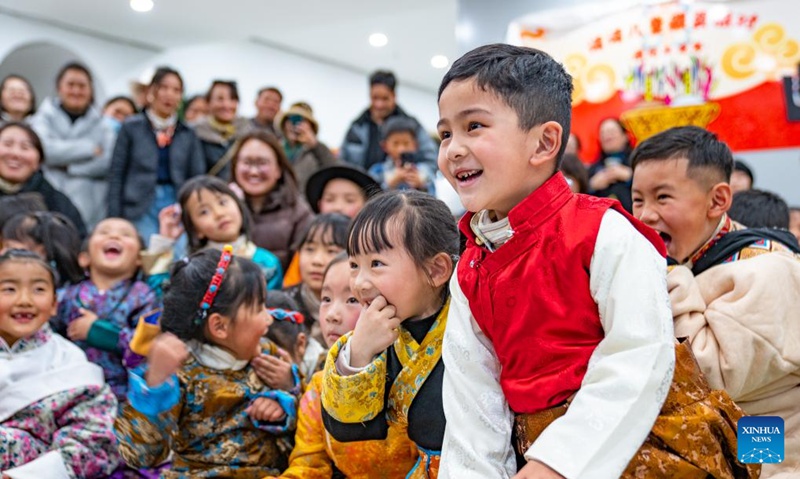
292,276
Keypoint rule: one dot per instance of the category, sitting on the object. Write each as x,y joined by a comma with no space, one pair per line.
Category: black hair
331,227
383,77
56,234
231,85
529,81
32,136
399,124
30,256
188,102
425,224
242,285
759,209
24,80
214,185
705,152
284,333
272,89
74,66
124,98
161,73
739,165
572,166
26,202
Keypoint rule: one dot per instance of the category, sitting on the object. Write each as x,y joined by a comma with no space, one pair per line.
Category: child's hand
412,177
537,470
169,221
167,355
78,330
265,410
376,330
276,372
305,134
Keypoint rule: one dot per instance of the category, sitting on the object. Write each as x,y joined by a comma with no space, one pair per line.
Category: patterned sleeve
85,434
309,459
146,301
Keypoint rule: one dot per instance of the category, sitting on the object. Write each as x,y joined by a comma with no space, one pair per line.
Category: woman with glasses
269,186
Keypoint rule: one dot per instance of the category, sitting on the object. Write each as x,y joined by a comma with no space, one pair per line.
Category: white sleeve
47,466
477,439
630,371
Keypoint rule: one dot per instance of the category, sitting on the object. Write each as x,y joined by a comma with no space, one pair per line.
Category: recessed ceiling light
439,61
378,40
142,5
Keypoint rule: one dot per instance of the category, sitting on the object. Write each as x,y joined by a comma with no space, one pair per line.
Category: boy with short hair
735,292
401,170
558,306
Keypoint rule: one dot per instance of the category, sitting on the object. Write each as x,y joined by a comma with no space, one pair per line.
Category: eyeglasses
282,315
254,163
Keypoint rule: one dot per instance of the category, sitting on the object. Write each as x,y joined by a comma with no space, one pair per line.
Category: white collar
215,357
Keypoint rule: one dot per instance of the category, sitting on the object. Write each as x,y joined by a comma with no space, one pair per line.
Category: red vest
531,297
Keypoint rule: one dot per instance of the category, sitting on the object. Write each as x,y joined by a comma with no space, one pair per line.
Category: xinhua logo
760,439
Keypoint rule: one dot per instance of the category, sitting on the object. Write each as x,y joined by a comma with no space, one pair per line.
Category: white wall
776,170
337,94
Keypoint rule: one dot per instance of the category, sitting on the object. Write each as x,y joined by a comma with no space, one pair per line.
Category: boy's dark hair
425,224
572,166
214,185
242,285
759,209
24,80
56,234
25,255
705,152
229,84
739,165
124,98
272,89
399,124
161,73
332,228
383,77
530,81
27,202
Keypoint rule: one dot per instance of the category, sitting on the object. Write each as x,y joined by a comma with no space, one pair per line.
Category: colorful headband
283,315
216,281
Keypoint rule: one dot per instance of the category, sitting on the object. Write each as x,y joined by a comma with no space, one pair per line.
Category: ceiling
333,31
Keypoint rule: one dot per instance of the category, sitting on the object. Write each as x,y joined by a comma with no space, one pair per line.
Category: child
560,324
100,313
56,412
384,380
794,221
325,238
736,291
50,235
759,209
401,170
199,398
211,215
316,455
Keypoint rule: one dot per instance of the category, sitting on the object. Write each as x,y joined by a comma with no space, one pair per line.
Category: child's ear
720,199
218,327
83,260
300,346
549,142
440,268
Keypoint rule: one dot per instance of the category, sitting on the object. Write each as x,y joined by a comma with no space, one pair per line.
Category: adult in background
21,158
195,109
77,142
362,143
268,105
269,186
300,143
610,176
154,155
222,127
17,101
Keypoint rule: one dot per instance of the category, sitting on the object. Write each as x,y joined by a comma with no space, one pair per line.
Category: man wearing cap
305,152
362,143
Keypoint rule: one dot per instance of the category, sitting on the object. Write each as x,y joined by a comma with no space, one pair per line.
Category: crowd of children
548,334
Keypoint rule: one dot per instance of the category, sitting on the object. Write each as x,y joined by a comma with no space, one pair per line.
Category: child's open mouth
666,237
467,177
23,317
112,250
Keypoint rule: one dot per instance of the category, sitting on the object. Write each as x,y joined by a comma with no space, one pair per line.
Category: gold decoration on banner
593,83
770,51
648,121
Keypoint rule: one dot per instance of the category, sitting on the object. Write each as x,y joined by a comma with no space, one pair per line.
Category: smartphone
408,158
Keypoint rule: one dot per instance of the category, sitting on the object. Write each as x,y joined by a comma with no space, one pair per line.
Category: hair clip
283,315
216,282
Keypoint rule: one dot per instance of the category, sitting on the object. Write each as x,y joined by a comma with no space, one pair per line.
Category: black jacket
54,200
134,166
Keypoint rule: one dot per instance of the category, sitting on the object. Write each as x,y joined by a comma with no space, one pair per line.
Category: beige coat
743,321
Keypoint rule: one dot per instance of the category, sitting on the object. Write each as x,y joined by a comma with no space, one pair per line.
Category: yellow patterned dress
400,392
